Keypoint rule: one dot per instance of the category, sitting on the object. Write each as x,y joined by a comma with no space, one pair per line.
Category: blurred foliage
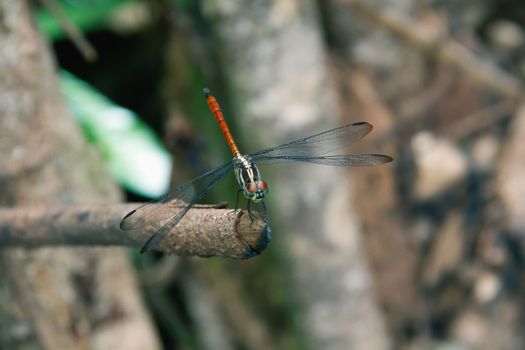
136,157
86,14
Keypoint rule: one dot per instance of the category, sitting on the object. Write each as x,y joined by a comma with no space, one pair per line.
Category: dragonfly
315,149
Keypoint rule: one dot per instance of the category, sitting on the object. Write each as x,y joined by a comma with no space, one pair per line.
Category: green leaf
134,154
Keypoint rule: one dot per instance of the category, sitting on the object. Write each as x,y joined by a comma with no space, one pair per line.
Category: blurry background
422,253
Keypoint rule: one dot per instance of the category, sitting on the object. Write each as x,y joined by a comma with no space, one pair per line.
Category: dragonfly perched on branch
316,149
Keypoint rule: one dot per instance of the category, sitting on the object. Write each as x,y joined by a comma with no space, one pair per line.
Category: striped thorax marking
249,178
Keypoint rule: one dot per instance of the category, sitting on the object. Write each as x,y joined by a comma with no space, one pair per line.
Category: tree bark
55,298
274,62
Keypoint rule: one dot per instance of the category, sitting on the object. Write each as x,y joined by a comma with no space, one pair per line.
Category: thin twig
480,120
204,231
445,50
75,35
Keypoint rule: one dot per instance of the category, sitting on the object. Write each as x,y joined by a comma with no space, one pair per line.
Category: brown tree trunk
55,298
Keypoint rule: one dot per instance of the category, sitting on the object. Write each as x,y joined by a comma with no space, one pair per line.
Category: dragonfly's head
249,179
255,190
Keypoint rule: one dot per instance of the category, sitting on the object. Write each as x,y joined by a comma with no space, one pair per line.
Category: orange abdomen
219,117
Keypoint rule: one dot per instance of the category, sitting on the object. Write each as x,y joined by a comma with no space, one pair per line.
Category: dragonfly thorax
249,178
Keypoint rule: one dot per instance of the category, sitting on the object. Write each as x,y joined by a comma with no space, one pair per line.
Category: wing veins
332,160
161,233
143,215
318,144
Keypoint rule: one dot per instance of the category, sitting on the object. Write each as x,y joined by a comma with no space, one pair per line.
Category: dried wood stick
204,231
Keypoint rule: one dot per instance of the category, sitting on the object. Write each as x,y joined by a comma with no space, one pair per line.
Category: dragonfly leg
250,213
236,202
264,208
262,212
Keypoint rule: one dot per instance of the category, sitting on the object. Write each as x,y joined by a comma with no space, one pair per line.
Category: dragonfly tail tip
206,91
129,214
122,222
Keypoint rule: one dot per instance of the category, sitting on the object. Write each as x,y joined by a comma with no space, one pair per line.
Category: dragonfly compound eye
263,186
251,187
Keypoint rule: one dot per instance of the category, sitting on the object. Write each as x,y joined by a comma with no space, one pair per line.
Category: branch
444,50
204,231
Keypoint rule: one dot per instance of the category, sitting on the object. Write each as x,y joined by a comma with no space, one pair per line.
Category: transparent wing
164,213
316,145
336,160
